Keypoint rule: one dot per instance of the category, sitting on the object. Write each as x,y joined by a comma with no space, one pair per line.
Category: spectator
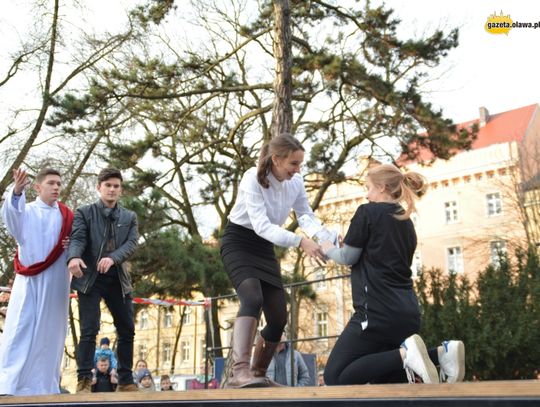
165,383
139,365
101,382
145,381
279,369
321,379
105,352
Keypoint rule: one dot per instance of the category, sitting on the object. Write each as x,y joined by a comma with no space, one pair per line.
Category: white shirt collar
44,205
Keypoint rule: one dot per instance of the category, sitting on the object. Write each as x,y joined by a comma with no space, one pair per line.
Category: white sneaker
417,361
452,361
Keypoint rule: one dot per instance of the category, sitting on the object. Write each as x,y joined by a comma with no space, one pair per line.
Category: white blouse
264,210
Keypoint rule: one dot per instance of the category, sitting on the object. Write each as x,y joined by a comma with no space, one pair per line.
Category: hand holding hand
311,248
327,246
20,177
104,265
75,267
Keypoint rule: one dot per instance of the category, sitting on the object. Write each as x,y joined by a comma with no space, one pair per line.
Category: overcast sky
500,72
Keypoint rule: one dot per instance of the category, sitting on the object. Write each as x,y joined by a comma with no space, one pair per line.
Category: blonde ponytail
403,188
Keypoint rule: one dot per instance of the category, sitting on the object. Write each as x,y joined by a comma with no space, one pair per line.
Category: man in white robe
36,322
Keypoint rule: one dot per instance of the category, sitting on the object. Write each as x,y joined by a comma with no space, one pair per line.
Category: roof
500,128
504,127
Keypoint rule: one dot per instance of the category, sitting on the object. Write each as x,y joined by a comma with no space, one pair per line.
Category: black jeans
121,309
359,359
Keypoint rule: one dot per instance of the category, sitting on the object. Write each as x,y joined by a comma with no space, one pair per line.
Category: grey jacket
301,372
87,241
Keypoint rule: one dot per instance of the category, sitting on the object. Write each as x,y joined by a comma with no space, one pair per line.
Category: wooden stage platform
495,393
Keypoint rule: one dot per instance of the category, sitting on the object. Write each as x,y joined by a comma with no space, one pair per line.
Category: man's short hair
108,173
103,359
44,172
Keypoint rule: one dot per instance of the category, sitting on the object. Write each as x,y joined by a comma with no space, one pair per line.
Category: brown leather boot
84,385
262,356
127,387
243,334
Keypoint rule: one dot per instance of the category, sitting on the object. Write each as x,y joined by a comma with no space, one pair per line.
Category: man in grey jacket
103,237
279,369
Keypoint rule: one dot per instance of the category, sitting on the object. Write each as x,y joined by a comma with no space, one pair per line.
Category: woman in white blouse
265,199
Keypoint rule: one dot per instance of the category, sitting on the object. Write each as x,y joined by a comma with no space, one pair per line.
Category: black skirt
247,255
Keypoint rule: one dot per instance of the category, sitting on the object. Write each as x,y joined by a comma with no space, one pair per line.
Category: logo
498,24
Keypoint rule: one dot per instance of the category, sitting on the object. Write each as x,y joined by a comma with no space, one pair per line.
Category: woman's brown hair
402,187
281,146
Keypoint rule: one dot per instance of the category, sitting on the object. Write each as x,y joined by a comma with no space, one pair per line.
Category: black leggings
357,359
255,295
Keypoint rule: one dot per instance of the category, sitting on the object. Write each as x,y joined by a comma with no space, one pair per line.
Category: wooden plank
493,389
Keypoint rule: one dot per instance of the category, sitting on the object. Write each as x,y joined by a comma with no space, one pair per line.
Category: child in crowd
165,383
145,381
104,351
101,382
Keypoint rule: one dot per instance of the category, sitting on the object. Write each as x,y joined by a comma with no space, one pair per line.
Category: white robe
36,323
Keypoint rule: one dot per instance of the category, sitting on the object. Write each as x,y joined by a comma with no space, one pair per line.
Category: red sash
34,269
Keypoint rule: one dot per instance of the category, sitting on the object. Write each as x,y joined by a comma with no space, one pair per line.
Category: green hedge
497,316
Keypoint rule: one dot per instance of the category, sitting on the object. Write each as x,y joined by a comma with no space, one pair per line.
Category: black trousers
121,309
358,359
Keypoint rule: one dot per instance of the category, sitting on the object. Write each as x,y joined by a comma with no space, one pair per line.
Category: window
322,323
497,251
454,260
186,350
494,204
168,318
166,353
187,316
451,212
143,352
143,320
416,265
320,274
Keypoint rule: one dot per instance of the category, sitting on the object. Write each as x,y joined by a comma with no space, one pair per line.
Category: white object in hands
313,228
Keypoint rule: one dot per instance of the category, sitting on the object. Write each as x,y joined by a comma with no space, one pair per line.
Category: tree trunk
177,339
282,115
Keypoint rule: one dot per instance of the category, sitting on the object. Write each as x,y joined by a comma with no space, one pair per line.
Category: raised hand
20,177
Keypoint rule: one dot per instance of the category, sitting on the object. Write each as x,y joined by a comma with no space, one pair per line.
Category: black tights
356,359
255,295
